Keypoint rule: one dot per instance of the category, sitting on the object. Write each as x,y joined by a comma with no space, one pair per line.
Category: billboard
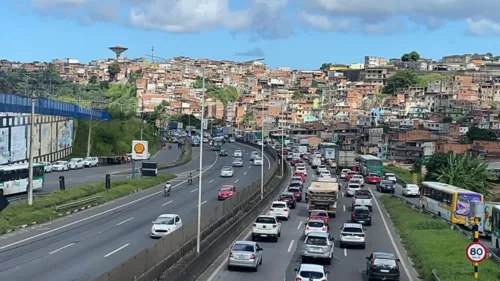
18,143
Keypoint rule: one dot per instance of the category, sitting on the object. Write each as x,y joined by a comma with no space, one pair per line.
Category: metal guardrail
78,203
435,275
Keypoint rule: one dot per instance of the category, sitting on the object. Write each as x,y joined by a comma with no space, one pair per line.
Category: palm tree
466,172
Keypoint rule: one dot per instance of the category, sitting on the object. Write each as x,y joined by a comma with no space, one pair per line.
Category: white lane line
393,242
121,248
164,204
55,251
78,222
203,202
210,181
343,195
343,207
290,246
300,224
236,180
244,173
345,252
249,167
120,223
193,190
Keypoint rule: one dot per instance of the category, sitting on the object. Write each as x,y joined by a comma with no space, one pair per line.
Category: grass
433,245
402,173
43,208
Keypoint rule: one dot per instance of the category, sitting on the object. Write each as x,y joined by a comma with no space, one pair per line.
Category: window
315,224
243,248
317,241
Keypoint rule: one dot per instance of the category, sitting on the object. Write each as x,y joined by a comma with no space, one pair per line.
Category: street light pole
142,116
30,161
198,231
90,134
262,155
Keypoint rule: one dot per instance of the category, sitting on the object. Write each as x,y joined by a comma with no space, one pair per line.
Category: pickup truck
362,198
266,227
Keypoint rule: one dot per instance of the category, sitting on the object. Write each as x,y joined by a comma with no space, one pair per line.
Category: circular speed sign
476,252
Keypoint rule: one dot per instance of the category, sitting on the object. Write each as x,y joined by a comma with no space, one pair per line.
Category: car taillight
230,255
271,209
254,225
274,226
352,215
285,210
307,227
324,229
324,279
298,279
252,257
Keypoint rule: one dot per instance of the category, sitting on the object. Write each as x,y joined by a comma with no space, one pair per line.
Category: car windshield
237,160
73,160
384,262
357,177
359,211
164,220
354,186
317,241
286,196
295,183
243,248
311,274
301,169
88,159
322,167
265,220
325,172
319,214
363,196
353,229
386,182
226,169
315,224
293,189
279,205
59,163
254,152
389,175
345,171
227,188
296,179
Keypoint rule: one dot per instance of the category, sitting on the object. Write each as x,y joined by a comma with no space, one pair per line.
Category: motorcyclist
167,189
190,178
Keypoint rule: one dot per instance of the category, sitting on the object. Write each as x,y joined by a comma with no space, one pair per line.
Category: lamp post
262,166
198,230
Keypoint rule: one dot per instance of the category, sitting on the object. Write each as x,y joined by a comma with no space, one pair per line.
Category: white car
226,171
315,226
352,188
391,177
311,272
238,153
90,162
358,178
352,234
60,166
301,170
258,161
47,167
302,165
344,172
280,209
165,224
231,140
205,140
410,190
254,155
75,163
325,174
321,168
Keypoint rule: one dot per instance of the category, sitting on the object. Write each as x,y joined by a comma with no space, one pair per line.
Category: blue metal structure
18,104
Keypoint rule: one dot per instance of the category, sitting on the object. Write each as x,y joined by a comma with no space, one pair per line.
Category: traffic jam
335,213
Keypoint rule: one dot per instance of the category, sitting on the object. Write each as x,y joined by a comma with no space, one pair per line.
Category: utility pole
142,116
90,133
198,231
152,54
30,161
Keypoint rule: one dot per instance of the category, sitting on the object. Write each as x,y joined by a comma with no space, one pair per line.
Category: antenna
152,54
118,50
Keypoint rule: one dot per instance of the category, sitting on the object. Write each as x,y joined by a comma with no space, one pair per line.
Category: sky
301,34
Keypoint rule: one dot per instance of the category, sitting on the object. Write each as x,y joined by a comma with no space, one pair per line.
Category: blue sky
301,34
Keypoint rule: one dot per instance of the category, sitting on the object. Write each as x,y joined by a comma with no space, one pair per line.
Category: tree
413,56
447,119
476,133
93,79
113,69
325,66
467,172
297,95
187,119
247,118
198,83
417,165
401,80
434,164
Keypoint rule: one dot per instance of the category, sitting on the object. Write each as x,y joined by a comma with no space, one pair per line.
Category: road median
44,208
433,245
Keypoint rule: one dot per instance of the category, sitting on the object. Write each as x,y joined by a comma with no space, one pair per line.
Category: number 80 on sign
476,252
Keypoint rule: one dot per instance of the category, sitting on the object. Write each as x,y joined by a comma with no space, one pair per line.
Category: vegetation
404,174
433,245
476,133
325,66
187,119
248,118
297,95
407,78
225,95
413,56
43,209
113,69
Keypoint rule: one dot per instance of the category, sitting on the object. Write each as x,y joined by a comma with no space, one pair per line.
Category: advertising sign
140,150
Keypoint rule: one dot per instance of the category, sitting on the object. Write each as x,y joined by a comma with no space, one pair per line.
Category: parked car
382,266
76,163
165,224
245,254
226,191
60,166
91,161
47,167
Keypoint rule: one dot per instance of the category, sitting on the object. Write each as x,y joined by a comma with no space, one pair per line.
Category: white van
315,162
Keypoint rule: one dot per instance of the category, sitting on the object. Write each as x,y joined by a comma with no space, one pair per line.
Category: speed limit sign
476,252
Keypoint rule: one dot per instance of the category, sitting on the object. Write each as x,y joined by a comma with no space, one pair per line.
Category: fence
166,252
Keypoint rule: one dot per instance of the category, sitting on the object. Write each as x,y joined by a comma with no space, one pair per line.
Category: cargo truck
346,159
323,195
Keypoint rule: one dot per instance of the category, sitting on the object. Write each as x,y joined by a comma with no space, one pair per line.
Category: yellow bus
447,201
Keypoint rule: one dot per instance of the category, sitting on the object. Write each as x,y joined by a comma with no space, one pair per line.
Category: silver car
246,254
318,246
238,162
226,171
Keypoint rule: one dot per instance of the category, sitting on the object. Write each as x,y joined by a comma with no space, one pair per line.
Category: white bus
14,178
495,228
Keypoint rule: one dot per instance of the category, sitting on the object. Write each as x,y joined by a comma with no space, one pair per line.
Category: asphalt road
280,259
87,244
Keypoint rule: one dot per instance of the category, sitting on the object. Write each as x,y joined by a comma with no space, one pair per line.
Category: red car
289,198
373,179
349,175
301,175
226,191
294,161
319,215
296,191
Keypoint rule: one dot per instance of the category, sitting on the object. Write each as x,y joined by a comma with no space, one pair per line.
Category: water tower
118,50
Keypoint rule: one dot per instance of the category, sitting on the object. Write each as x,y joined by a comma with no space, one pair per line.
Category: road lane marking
193,190
343,207
210,181
300,224
164,204
343,195
119,249
249,167
78,222
345,252
244,173
120,223
393,242
203,202
290,246
64,247
236,180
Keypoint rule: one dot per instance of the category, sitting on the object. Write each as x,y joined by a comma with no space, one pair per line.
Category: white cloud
482,27
324,23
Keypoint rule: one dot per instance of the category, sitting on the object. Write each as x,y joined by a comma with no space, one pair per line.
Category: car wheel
260,260
279,234
229,268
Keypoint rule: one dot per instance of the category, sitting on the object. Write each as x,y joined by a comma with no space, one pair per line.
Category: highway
87,244
280,259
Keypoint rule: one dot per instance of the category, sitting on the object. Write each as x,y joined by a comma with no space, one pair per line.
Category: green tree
225,95
187,119
325,66
413,56
476,133
93,79
467,172
417,165
401,80
297,95
198,83
113,69
247,118
434,164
